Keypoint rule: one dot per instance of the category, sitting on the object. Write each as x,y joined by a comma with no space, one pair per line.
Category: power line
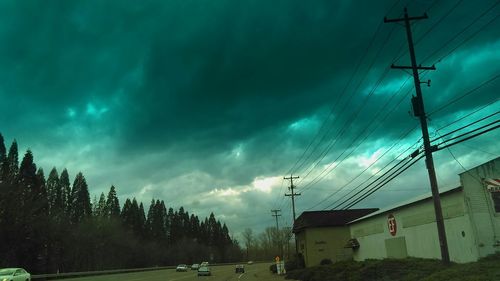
369,178
437,147
403,53
469,132
468,138
321,175
462,31
469,114
334,106
353,116
382,184
468,125
466,94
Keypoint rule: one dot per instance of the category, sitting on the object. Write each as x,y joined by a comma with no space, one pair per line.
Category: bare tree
248,238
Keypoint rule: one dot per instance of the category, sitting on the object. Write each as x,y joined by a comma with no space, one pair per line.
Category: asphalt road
254,272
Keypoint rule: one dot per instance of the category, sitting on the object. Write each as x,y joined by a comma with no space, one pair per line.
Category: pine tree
54,192
101,207
27,176
112,208
142,221
127,214
80,207
13,163
65,191
3,159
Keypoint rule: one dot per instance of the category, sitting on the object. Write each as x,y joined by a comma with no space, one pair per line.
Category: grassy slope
406,270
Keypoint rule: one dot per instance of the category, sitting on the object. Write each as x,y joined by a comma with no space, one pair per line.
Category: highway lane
255,272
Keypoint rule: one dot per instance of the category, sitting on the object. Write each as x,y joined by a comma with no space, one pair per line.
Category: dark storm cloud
167,99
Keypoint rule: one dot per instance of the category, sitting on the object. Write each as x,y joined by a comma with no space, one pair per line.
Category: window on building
496,201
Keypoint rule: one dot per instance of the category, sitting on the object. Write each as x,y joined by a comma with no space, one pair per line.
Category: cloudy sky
209,104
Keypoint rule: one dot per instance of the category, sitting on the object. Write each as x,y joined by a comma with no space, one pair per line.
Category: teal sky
208,104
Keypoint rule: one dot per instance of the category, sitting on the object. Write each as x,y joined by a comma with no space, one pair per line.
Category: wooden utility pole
291,178
278,231
418,108
293,194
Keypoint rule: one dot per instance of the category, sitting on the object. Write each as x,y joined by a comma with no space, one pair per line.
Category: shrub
326,262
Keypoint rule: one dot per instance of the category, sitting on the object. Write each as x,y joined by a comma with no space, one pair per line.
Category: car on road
181,267
195,266
204,271
239,268
14,274
205,263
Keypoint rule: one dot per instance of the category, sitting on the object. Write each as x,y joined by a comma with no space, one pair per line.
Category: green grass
411,269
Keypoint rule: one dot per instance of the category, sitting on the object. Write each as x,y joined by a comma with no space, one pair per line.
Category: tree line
48,225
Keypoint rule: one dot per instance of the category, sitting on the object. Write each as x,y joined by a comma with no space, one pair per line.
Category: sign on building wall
391,224
492,185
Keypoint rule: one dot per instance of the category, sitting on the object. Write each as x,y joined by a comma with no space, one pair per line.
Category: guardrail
94,273
113,271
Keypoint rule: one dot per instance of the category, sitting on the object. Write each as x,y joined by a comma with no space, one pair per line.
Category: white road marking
241,275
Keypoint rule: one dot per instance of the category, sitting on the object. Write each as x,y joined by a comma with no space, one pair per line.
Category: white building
472,221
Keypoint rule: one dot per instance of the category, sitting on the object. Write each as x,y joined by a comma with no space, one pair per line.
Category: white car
182,267
14,274
195,266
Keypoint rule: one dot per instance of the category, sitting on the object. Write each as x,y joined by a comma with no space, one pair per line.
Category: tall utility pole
291,178
418,108
293,194
278,230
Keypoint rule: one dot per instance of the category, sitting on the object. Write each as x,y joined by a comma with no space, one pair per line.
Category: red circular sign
391,223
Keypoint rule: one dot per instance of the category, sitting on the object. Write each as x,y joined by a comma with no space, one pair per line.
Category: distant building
323,234
471,214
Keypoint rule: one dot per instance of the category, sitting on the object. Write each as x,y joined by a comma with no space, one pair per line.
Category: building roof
328,218
406,203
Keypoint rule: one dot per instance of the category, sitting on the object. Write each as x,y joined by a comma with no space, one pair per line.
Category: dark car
239,268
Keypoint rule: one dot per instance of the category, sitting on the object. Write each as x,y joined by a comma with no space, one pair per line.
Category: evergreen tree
12,163
127,215
141,226
101,207
80,207
3,158
65,191
34,211
112,208
54,191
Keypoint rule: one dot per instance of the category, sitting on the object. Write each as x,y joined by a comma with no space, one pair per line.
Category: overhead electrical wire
467,39
483,129
465,94
353,116
470,124
351,78
469,114
319,177
429,30
463,42
485,12
396,173
403,136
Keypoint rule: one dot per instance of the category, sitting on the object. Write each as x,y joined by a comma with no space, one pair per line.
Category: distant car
239,268
182,267
204,271
205,263
250,262
195,266
14,274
